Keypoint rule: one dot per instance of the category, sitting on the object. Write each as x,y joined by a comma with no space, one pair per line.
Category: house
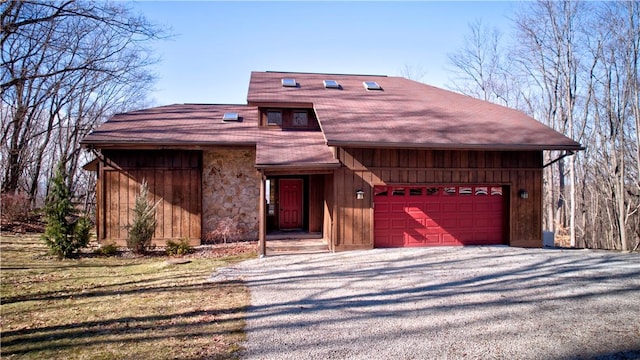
363,161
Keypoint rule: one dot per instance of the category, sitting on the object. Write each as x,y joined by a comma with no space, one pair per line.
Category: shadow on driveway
453,302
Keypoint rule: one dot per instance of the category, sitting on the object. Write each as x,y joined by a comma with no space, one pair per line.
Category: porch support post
262,228
101,204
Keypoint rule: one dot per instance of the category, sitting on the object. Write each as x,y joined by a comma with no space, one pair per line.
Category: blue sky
217,44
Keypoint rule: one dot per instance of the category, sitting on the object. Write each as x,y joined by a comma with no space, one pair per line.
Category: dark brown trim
296,173
262,223
162,146
378,168
275,104
295,168
427,146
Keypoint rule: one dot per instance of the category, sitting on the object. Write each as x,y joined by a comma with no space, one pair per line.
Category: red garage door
439,215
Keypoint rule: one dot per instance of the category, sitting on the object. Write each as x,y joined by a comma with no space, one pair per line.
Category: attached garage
414,216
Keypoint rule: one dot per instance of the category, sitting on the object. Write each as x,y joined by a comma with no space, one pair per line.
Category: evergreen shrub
144,221
65,232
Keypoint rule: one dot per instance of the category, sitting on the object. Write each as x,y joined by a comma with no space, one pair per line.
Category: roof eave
318,166
260,103
160,145
499,147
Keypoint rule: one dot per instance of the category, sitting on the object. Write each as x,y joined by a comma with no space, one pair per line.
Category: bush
65,232
15,207
107,250
226,230
144,221
178,248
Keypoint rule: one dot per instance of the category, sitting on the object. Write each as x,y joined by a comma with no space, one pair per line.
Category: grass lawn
116,307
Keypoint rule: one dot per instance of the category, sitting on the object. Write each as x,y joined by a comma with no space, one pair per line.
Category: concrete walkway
443,303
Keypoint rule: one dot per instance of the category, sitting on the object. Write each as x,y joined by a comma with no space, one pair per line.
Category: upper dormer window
331,84
274,117
371,85
300,118
289,82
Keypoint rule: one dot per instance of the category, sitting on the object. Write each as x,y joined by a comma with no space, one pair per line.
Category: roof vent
231,116
289,82
331,84
371,85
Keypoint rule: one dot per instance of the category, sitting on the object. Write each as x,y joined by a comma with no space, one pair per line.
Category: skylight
231,116
289,82
371,85
331,84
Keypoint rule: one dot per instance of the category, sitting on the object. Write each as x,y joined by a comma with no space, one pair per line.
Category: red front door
290,203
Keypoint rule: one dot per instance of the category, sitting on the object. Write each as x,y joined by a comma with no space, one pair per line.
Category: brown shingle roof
406,114
202,125
403,114
188,124
293,149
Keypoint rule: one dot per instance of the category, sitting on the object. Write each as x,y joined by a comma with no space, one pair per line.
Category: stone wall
230,190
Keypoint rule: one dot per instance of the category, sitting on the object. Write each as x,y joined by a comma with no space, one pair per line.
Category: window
371,85
300,118
398,192
496,191
270,191
449,191
415,192
231,116
274,117
289,82
432,191
482,190
465,191
267,191
331,84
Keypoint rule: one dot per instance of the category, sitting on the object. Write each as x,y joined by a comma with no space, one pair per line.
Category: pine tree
144,221
65,231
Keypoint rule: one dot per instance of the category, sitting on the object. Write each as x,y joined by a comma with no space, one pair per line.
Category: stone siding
230,189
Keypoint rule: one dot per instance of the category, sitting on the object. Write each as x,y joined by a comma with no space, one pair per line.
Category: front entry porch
295,242
295,213
294,204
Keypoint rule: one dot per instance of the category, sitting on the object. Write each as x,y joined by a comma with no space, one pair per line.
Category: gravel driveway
443,303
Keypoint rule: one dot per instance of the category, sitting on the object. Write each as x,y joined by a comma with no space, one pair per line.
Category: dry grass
115,308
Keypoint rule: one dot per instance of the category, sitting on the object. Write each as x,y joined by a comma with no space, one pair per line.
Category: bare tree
616,116
413,72
550,37
65,66
573,66
479,68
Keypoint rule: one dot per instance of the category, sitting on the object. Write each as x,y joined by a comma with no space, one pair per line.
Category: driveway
443,303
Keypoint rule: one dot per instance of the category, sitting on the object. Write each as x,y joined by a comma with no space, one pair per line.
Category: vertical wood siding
365,168
316,208
329,206
174,179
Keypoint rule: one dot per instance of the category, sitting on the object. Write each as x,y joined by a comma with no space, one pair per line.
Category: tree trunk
14,165
572,212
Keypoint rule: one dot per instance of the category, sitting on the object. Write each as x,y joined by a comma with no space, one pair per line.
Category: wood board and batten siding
365,168
316,208
174,179
328,226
